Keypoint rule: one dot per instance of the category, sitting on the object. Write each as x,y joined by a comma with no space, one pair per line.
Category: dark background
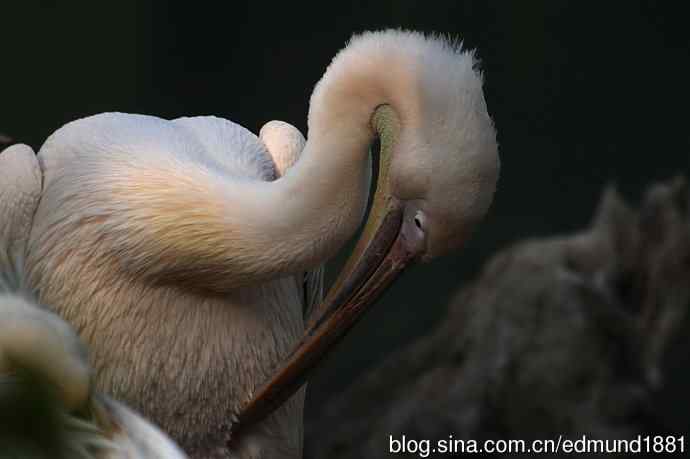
581,94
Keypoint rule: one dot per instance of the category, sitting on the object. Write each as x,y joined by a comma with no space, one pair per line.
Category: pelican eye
419,220
414,228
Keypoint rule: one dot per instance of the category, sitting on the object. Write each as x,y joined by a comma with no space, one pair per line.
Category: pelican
184,253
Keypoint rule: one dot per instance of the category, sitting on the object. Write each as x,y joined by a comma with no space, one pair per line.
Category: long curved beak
379,257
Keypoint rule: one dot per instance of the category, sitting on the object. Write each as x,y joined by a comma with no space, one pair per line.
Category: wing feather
20,191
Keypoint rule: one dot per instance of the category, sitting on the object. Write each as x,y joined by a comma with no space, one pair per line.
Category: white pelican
178,249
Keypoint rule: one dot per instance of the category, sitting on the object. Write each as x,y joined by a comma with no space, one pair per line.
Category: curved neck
311,211
320,202
221,233
195,227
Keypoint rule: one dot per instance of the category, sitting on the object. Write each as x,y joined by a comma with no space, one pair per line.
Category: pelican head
444,163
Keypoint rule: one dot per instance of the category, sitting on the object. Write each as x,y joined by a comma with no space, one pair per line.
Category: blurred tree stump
563,335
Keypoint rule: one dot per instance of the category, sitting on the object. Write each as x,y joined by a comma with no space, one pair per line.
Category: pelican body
184,352
184,253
